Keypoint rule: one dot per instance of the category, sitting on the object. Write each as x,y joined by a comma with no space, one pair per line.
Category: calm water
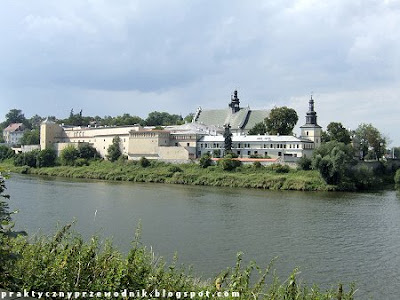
332,237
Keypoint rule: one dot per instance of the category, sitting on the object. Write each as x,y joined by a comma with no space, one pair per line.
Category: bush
79,162
68,155
304,163
46,158
144,162
278,168
257,165
229,164
205,161
6,152
174,169
29,159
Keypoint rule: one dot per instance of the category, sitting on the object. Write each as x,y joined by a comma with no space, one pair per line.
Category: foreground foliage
65,262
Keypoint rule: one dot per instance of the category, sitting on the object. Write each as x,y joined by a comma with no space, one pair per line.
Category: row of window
269,146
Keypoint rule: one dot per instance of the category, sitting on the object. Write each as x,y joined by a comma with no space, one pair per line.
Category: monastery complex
190,141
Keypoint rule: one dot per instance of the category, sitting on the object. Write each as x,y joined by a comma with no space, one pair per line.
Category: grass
65,262
246,176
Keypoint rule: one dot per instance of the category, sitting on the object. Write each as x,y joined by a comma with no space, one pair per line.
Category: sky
114,57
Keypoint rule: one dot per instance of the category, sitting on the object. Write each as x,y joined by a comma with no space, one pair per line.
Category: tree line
32,134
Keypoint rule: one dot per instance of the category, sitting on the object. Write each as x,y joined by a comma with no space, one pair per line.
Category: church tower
234,105
311,130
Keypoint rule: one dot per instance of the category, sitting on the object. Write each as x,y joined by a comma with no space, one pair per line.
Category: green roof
245,118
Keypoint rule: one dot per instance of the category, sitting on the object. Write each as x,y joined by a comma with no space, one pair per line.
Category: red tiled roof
14,127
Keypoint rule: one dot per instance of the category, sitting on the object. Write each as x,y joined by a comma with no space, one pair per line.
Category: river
333,237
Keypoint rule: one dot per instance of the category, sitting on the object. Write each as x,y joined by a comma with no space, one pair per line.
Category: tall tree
371,143
227,139
114,150
16,116
335,131
281,121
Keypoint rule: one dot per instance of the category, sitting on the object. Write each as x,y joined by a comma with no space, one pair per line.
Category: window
176,144
307,132
188,144
279,153
248,152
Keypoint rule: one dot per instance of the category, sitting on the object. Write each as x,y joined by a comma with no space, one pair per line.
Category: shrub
304,163
79,162
205,161
217,153
46,158
68,155
229,164
257,165
27,159
6,152
278,168
144,162
174,169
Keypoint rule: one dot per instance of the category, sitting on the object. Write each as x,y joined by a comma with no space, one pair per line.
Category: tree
205,161
114,150
156,118
335,131
333,160
68,155
281,121
15,116
372,143
229,163
227,139
35,121
258,128
6,152
30,137
46,158
87,151
189,118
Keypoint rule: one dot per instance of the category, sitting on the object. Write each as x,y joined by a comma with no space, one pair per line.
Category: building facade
13,133
188,141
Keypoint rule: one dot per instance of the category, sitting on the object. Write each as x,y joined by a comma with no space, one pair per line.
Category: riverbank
272,177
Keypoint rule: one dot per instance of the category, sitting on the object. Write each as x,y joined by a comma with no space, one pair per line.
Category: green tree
69,155
335,131
114,150
6,152
229,163
15,116
189,118
46,158
205,161
35,121
258,128
281,121
156,118
227,139
333,160
371,143
87,151
304,163
30,137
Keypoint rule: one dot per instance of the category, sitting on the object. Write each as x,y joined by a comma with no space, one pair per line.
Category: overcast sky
114,57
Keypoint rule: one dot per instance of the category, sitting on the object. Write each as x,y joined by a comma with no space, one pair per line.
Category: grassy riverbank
272,177
65,262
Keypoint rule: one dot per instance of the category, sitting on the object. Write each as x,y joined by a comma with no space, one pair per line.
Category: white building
13,133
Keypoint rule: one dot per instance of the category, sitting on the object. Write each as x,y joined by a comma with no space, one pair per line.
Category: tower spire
234,105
